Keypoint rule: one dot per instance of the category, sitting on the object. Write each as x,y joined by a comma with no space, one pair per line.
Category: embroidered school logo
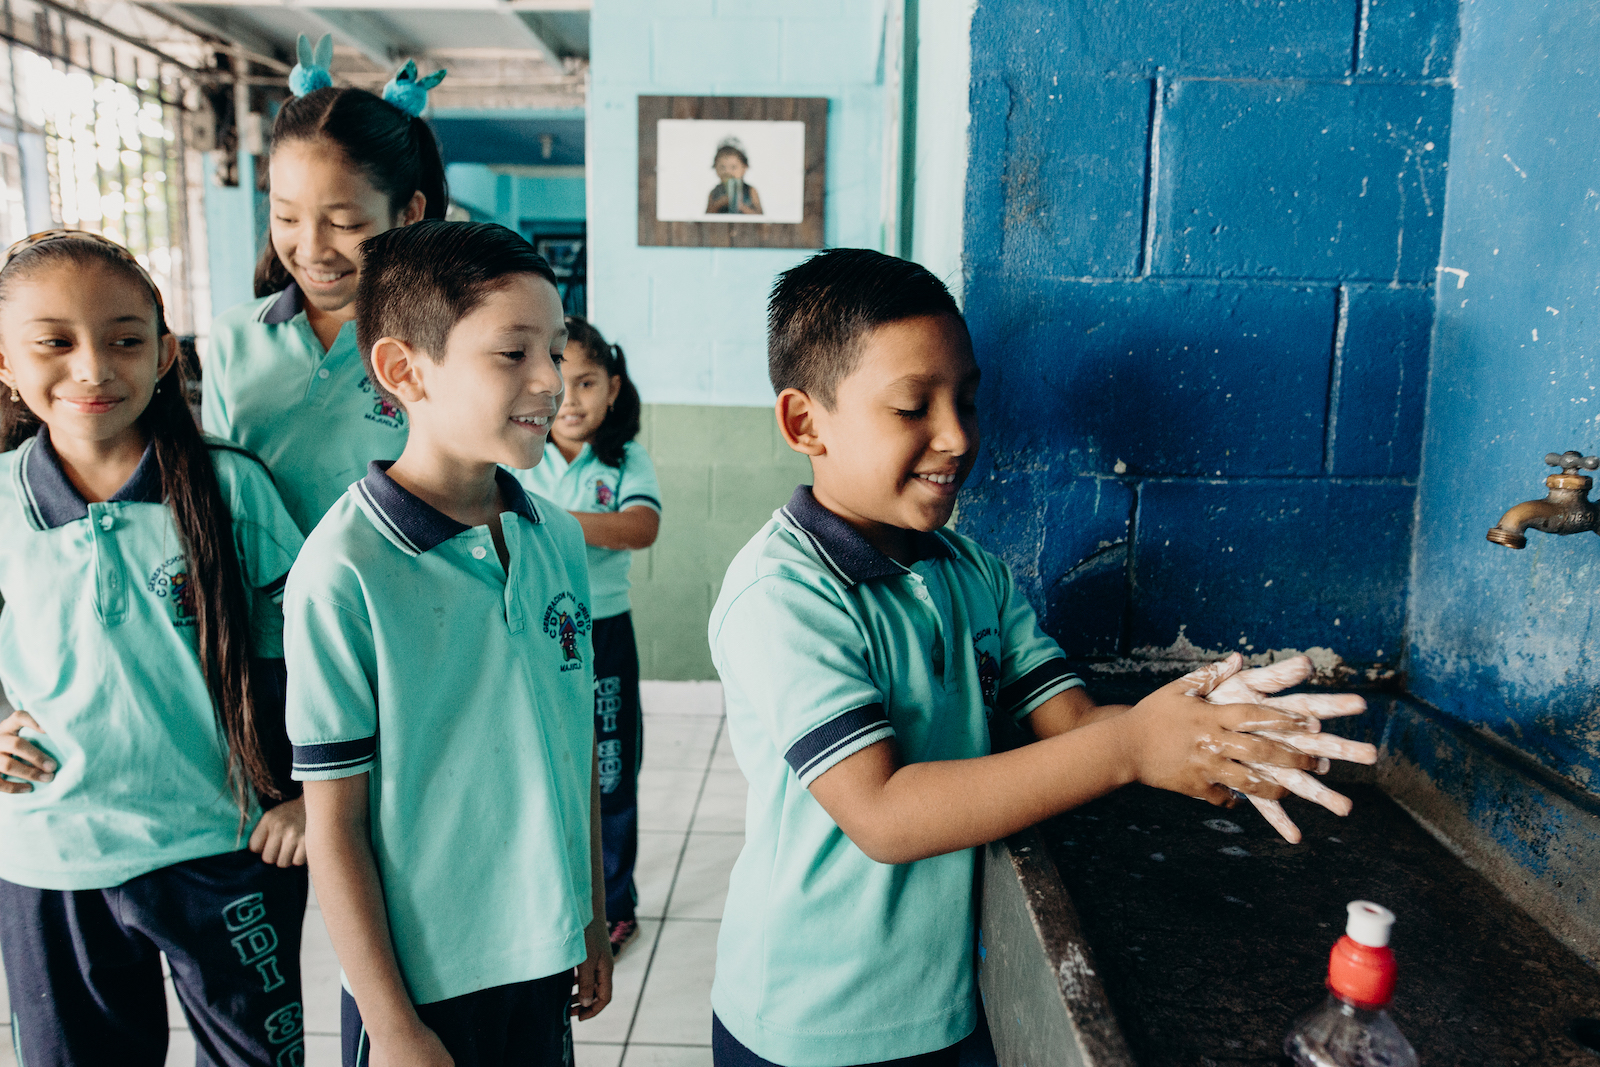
385,412
603,493
171,583
988,677
565,620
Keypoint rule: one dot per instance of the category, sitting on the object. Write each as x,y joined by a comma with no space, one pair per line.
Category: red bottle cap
1362,975
1361,968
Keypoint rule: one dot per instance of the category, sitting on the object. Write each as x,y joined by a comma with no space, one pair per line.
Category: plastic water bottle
1351,1028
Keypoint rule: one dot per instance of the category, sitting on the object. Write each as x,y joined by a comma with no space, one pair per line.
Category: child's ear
797,422
415,208
169,355
394,365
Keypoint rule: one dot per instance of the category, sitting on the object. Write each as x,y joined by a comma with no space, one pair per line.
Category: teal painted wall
230,236
693,320
509,199
724,470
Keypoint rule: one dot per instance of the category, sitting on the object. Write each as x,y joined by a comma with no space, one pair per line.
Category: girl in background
284,377
142,568
593,467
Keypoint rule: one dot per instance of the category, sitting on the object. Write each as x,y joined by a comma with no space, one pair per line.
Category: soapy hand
1224,683
1186,743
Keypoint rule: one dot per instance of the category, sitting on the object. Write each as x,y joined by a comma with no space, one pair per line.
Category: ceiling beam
366,32
205,23
520,30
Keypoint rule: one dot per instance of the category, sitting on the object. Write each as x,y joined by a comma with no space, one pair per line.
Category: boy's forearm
1069,711
350,894
632,528
901,814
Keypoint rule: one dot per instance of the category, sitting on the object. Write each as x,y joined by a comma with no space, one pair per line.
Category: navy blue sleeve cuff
329,759
1036,683
833,740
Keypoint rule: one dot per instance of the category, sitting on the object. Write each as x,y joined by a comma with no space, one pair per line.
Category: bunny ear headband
405,90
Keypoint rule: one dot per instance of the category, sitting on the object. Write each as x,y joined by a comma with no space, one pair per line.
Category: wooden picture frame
802,194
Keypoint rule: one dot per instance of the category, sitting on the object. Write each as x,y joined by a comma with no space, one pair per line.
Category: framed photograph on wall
732,171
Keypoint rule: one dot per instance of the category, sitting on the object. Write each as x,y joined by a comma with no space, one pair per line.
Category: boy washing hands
863,651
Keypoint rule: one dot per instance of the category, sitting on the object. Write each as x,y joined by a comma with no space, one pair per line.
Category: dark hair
205,531
397,153
730,150
820,311
418,281
621,423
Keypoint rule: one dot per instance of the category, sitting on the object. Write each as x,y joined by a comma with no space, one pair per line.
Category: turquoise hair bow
408,92
311,73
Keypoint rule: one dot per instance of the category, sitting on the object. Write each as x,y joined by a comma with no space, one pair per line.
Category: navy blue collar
51,500
286,307
418,526
843,550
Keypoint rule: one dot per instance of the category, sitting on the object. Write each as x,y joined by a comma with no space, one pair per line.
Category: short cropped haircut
821,311
418,281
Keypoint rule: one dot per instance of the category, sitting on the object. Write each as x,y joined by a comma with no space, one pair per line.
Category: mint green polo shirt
826,646
98,643
311,415
466,693
586,484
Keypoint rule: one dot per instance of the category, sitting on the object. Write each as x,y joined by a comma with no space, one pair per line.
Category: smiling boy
441,679
864,652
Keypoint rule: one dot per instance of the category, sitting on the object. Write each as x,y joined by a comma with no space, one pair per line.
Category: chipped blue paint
1200,240
1500,639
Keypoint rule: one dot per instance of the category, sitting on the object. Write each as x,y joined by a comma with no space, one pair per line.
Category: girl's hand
594,973
18,759
280,836
420,1048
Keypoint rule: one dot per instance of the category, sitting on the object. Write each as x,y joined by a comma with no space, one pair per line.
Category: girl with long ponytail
283,376
142,567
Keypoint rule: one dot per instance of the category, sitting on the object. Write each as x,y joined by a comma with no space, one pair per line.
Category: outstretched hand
1182,741
1224,682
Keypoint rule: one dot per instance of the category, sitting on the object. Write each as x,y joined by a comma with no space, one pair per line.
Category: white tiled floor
691,806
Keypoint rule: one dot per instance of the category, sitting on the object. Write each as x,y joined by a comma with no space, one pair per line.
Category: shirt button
106,522
323,374
479,552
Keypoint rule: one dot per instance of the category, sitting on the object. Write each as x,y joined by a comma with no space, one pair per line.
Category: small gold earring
15,396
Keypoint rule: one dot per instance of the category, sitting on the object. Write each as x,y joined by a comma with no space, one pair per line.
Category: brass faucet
1567,510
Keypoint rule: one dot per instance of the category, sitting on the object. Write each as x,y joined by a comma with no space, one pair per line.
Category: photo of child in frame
732,196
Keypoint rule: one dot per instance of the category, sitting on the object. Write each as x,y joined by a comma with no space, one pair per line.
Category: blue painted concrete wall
1501,639
1201,238
693,320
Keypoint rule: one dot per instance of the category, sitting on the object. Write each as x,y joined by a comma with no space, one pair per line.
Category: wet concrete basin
1153,929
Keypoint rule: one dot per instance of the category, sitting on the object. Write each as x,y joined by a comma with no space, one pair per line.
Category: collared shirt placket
110,581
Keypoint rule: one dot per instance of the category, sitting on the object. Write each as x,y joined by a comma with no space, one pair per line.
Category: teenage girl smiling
284,377
595,469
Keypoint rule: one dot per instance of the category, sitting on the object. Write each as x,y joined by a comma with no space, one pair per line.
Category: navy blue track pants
83,967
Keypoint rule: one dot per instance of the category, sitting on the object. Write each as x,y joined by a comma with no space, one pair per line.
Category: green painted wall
723,470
